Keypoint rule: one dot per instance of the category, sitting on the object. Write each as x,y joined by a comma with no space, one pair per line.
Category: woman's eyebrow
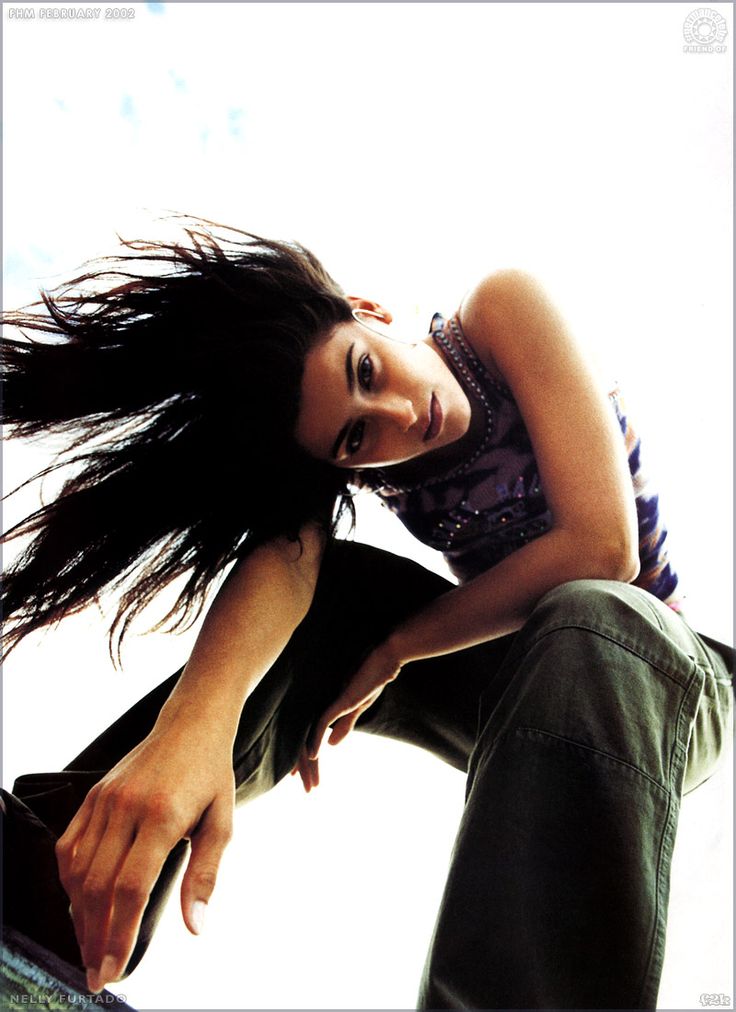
351,383
349,367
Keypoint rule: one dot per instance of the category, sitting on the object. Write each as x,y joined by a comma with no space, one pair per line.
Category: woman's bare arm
247,627
178,782
577,442
519,335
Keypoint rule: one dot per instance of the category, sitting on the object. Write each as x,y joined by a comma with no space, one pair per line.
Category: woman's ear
374,307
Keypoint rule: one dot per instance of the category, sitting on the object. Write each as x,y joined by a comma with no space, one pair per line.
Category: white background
414,147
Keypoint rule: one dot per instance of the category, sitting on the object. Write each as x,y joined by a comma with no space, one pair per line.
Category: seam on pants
612,639
654,961
656,948
653,612
482,722
677,760
656,945
594,751
652,966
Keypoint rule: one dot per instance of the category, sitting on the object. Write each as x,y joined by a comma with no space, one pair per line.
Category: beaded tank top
493,503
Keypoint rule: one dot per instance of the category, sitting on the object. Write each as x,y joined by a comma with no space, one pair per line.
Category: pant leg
606,708
362,593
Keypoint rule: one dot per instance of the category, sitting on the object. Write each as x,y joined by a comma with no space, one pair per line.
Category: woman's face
370,401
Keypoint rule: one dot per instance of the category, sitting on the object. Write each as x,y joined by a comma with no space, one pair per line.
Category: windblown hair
173,372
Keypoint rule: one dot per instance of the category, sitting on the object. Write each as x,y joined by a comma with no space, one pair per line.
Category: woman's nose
398,410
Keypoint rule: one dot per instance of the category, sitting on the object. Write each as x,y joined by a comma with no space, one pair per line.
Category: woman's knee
599,605
593,670
625,615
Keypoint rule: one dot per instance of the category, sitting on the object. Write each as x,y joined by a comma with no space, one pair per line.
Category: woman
581,704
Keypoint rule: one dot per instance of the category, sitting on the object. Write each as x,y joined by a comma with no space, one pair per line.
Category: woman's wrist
201,706
397,648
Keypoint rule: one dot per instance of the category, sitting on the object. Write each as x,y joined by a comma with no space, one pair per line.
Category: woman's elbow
619,560
604,554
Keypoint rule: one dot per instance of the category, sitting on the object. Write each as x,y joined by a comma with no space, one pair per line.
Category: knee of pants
627,616
632,618
596,667
591,602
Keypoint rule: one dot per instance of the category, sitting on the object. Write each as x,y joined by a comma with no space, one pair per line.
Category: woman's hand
177,783
363,689
308,770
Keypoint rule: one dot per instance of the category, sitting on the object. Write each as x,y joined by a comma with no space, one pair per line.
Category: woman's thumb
208,844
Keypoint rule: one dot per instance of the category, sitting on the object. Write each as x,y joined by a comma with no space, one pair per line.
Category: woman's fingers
343,717
342,727
89,866
208,844
362,691
78,824
314,742
75,854
94,897
128,897
109,868
175,784
333,716
308,770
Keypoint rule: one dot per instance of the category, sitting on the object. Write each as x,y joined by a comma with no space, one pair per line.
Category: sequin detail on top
482,510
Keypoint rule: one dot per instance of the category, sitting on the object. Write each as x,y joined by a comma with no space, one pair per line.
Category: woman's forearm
248,625
178,782
500,600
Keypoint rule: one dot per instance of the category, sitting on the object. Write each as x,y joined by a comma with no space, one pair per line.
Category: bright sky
414,147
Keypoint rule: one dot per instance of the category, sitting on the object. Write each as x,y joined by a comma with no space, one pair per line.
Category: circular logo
704,26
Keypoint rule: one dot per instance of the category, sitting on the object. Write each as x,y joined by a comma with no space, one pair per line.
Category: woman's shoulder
486,304
509,314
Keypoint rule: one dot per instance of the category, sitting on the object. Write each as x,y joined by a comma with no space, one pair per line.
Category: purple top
480,511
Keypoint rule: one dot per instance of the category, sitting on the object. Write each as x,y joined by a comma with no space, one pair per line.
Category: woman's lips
435,419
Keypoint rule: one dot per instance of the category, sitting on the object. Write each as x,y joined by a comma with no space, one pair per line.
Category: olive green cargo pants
579,735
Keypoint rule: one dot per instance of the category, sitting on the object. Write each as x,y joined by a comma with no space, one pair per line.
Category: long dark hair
173,371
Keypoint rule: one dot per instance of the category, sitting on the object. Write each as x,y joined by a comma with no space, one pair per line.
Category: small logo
704,30
717,1000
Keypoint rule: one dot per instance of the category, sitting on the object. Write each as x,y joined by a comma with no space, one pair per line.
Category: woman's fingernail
93,981
108,970
199,907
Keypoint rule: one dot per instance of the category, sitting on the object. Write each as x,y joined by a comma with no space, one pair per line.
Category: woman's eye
355,438
365,379
365,372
